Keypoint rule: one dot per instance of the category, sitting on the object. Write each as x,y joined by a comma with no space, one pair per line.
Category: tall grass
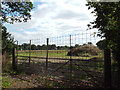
5,60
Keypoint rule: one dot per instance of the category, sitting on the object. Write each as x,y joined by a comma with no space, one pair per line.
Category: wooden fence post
47,54
30,53
14,59
17,53
107,68
70,63
46,81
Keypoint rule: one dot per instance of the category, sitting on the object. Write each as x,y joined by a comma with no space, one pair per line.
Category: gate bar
107,68
70,64
30,53
47,54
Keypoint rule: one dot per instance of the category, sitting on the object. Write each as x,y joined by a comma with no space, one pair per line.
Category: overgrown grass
5,60
6,81
6,71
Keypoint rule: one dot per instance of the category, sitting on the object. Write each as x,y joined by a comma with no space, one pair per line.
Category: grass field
53,54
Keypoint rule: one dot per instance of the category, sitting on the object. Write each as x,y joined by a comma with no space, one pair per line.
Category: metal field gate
64,61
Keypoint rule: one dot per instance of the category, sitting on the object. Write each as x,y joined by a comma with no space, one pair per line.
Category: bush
85,50
116,55
5,60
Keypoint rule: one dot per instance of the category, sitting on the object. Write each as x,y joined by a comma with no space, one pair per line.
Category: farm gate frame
98,73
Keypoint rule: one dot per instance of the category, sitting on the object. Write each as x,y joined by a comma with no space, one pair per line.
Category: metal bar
107,68
85,60
47,54
13,59
17,53
46,80
70,63
30,52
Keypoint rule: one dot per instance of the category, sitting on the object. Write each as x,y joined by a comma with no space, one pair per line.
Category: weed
6,82
5,60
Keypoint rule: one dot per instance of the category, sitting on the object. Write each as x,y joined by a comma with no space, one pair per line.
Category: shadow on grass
61,78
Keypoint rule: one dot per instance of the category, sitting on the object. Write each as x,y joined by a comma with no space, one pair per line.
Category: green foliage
6,82
26,46
107,20
7,41
5,60
108,23
62,47
13,12
101,44
17,11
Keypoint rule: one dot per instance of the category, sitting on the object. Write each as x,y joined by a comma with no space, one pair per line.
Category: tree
58,47
13,12
44,47
77,45
7,41
89,43
108,24
52,47
38,47
16,11
25,46
33,47
101,44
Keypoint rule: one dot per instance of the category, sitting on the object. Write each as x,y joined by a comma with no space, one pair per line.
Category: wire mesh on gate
71,60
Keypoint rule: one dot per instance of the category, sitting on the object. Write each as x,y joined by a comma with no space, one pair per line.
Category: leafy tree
53,46
13,12
44,47
90,43
33,47
77,45
38,47
25,46
101,44
84,44
7,41
62,47
108,24
58,47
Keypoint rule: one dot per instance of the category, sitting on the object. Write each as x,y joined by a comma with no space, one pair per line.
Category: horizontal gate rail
92,59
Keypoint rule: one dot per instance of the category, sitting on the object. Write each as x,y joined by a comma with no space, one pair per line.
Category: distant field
52,54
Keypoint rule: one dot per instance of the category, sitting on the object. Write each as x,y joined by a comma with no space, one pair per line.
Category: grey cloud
64,27
71,15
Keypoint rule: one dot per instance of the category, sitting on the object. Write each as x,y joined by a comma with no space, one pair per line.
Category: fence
70,61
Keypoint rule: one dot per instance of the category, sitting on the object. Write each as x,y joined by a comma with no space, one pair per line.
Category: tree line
26,46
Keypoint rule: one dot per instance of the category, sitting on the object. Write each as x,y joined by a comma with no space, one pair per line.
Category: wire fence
70,61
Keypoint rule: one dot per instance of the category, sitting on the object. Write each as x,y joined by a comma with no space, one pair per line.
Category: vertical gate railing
57,52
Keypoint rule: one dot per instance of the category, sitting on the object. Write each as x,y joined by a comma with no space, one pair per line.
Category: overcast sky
52,18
